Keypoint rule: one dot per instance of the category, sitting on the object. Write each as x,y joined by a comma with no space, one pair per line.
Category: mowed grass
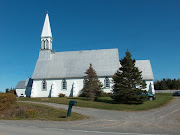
38,112
107,103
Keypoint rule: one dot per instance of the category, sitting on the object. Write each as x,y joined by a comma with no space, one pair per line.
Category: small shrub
6,100
61,95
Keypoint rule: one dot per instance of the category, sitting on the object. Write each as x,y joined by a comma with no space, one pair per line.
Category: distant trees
128,82
167,84
7,90
12,90
92,86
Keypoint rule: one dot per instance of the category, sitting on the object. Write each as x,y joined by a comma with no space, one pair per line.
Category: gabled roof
145,67
73,64
46,32
21,85
24,84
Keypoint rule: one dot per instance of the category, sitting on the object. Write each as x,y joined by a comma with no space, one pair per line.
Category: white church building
63,72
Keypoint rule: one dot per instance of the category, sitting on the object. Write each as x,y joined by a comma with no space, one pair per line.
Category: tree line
167,84
12,90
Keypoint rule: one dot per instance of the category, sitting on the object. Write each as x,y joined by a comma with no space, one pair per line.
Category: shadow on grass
106,101
79,98
62,117
98,100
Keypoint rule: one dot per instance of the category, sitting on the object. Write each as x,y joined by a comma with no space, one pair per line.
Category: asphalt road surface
164,120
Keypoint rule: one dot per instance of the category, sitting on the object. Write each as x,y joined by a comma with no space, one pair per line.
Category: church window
44,85
106,82
42,44
64,84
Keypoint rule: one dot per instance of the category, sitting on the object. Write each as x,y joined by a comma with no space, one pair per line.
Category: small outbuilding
23,88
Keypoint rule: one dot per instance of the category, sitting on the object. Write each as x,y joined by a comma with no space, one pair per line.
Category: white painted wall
54,87
150,86
19,92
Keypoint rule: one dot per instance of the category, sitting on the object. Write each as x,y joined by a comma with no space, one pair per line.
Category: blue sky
150,29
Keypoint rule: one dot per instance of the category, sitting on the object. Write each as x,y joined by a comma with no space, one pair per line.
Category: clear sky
150,29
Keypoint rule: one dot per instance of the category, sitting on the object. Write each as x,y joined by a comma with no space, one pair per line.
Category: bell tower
46,35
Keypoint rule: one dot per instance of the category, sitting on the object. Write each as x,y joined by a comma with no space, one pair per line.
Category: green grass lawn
107,103
24,111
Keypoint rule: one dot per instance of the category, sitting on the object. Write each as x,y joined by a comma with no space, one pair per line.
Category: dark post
71,104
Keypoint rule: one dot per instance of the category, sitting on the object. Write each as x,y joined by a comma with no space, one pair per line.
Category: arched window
106,82
44,85
42,44
64,84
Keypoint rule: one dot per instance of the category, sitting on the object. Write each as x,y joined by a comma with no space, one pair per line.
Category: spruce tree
92,88
128,82
163,85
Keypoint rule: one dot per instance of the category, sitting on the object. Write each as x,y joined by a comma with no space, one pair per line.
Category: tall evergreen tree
92,88
128,82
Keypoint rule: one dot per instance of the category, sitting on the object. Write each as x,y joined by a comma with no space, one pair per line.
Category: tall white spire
46,35
46,32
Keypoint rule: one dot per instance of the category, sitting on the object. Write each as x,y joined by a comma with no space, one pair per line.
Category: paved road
155,121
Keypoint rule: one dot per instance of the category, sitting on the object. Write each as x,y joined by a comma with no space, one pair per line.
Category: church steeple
46,35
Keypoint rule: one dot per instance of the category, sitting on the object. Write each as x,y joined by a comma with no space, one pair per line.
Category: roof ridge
89,50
